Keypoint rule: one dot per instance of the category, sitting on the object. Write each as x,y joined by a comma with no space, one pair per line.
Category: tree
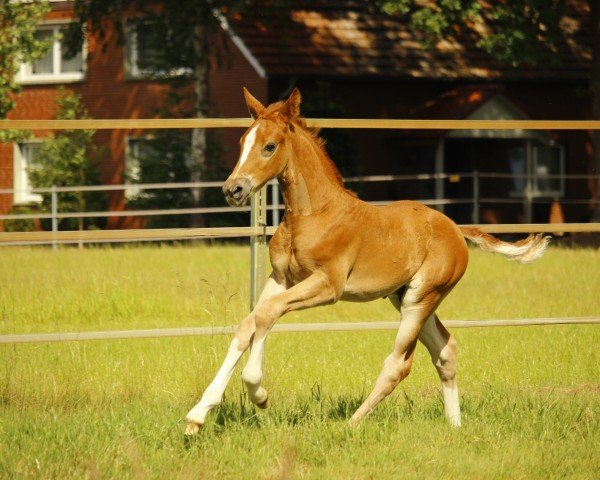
18,43
523,32
69,159
187,39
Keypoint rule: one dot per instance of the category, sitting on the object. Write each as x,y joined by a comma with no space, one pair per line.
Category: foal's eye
270,147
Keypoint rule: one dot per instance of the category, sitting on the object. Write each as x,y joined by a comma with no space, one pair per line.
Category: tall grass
114,409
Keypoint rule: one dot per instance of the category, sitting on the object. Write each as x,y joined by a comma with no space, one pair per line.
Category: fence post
258,243
475,196
275,202
54,199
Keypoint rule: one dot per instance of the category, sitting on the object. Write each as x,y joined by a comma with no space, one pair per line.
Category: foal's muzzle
237,190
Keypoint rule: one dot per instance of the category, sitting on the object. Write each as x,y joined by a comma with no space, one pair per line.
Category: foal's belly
367,289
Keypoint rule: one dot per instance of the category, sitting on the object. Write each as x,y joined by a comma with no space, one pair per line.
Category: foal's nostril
236,191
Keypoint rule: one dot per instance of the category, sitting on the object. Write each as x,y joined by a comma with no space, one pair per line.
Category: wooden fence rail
279,328
164,234
383,124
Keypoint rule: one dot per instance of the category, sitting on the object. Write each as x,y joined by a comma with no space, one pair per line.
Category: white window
538,170
23,153
146,55
55,66
548,169
149,159
136,149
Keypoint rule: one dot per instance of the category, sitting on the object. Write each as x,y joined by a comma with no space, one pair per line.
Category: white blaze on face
248,144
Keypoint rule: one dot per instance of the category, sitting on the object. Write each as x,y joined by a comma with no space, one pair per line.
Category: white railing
273,201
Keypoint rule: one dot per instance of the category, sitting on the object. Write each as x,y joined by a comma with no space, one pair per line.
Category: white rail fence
259,228
475,201
279,328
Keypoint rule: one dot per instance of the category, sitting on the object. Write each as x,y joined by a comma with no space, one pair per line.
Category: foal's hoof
192,428
264,404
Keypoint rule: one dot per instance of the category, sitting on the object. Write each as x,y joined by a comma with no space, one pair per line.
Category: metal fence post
275,203
475,196
54,199
258,242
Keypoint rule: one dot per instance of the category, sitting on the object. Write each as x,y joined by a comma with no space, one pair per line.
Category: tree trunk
199,140
595,97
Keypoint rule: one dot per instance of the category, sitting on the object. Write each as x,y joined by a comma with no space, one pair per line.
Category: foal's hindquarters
443,260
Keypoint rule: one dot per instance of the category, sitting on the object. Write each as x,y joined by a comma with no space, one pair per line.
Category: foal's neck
310,182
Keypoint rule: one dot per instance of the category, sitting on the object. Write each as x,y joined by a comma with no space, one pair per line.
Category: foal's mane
276,112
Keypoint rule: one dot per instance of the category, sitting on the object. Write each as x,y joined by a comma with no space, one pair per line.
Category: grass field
530,395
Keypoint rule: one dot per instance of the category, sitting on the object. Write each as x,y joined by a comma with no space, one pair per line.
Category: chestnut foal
331,246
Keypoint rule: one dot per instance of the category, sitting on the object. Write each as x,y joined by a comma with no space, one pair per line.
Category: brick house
376,67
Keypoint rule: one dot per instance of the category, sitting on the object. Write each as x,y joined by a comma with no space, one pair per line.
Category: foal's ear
293,103
255,108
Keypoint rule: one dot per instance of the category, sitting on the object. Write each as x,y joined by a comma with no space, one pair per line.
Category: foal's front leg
252,373
213,394
318,289
315,290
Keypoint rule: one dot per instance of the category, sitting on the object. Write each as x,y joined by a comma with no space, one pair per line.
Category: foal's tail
523,251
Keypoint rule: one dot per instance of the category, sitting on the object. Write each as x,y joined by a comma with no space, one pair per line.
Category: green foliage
519,32
19,224
69,158
163,157
181,36
18,44
527,32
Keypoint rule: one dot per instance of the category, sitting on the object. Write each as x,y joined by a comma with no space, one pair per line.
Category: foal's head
264,151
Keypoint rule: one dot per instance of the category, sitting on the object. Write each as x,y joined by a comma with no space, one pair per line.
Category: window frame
25,77
22,189
537,177
131,55
531,177
132,165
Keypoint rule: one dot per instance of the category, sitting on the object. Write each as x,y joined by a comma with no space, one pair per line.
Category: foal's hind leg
442,348
415,309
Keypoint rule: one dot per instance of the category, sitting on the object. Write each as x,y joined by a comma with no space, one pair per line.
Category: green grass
530,395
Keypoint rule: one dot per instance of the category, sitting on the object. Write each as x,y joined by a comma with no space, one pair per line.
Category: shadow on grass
314,408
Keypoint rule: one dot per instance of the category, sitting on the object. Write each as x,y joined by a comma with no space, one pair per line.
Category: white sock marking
214,393
451,404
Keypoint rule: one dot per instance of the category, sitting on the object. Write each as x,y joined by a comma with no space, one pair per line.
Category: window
517,160
23,153
154,50
137,148
537,168
162,158
55,65
548,168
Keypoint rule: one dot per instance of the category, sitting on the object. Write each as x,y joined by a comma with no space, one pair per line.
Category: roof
351,38
460,102
475,102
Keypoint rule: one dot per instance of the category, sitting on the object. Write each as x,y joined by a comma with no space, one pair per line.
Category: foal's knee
244,333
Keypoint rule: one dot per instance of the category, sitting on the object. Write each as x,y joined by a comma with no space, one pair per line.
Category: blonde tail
523,251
